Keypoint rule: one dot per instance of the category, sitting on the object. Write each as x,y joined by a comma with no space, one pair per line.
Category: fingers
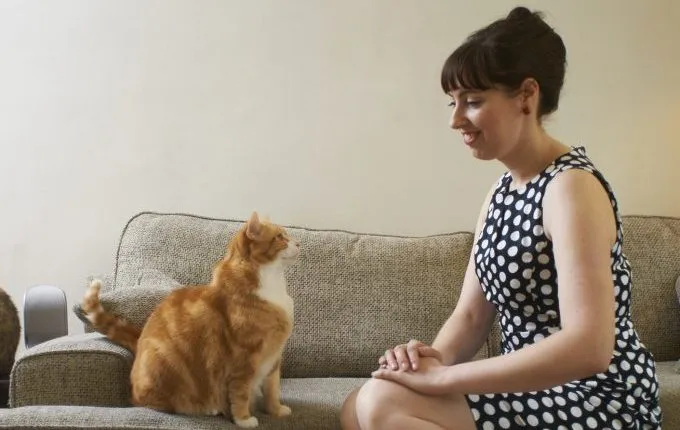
391,359
413,351
402,357
428,351
389,375
406,356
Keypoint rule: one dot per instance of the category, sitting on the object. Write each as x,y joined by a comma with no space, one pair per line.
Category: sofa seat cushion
315,403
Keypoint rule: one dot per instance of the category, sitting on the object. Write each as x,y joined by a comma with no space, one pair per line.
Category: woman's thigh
385,404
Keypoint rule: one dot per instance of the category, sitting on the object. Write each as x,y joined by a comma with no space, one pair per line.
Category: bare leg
381,404
348,413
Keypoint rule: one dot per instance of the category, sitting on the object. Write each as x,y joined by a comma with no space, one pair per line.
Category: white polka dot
517,406
519,204
513,267
514,283
532,420
548,418
592,422
489,409
532,327
528,208
527,273
501,244
517,220
540,246
504,423
520,297
512,251
517,321
475,413
488,425
533,404
576,412
543,258
502,276
526,241
545,274
538,230
531,193
560,400
546,289
526,225
508,200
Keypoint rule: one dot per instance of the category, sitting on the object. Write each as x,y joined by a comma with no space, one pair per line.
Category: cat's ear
254,227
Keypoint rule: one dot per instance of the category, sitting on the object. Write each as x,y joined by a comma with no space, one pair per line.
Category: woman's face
491,121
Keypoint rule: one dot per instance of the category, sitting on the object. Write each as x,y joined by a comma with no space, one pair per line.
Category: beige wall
319,113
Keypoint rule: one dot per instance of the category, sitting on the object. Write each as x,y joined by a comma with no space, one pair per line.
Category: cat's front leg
271,393
240,395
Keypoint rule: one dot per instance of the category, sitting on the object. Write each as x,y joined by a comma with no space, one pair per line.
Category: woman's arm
579,220
466,330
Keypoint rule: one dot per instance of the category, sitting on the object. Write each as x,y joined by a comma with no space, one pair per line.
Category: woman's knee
376,401
348,414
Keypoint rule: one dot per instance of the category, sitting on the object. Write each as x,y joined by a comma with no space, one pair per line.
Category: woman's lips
469,137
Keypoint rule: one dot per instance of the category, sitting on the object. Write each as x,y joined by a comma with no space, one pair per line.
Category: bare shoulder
574,198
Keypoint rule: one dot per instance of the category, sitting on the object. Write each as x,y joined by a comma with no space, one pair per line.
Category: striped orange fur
207,349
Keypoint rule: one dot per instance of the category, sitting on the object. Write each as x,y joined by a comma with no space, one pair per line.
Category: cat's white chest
273,287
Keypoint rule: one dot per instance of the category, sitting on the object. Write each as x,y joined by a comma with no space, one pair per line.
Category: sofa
355,295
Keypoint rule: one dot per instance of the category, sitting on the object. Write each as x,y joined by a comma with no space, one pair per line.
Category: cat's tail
112,326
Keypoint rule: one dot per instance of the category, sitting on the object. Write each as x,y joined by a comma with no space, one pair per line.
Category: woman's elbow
600,356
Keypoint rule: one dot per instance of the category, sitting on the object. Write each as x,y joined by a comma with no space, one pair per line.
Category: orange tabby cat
206,349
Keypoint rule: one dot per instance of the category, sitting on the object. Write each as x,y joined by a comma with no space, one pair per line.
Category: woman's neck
532,155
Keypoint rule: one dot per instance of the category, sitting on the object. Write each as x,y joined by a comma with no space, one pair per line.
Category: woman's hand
432,378
407,356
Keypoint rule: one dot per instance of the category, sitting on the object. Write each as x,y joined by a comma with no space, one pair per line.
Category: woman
547,261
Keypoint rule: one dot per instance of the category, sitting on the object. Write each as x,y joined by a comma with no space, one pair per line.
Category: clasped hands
416,366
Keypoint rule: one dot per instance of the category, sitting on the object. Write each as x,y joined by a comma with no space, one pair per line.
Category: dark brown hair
505,53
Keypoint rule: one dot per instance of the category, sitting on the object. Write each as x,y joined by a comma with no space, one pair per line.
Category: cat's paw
280,411
247,423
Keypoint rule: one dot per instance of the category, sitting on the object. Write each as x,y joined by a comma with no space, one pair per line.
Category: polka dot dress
514,263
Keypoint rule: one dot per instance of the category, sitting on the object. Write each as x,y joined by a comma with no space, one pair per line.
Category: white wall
325,114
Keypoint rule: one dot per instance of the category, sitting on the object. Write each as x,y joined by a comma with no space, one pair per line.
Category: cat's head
264,242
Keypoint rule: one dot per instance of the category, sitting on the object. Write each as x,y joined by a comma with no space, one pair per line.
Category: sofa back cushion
355,294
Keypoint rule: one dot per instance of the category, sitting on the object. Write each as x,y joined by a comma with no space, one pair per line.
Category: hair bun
520,13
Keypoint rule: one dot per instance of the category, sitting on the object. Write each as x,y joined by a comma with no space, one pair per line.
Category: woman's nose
457,119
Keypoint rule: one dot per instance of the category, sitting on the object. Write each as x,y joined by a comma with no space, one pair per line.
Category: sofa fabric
315,404
83,369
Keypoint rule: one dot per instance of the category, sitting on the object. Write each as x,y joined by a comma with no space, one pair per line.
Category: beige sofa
355,295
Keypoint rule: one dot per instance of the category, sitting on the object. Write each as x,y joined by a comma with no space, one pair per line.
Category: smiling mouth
470,137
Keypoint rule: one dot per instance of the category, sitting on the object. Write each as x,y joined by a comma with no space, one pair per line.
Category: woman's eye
474,103
452,103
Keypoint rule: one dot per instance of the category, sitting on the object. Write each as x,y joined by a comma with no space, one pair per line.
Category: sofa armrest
84,370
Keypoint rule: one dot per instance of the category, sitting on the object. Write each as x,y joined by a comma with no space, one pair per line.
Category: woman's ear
529,94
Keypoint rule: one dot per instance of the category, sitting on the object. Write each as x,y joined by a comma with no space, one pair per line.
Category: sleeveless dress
514,264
